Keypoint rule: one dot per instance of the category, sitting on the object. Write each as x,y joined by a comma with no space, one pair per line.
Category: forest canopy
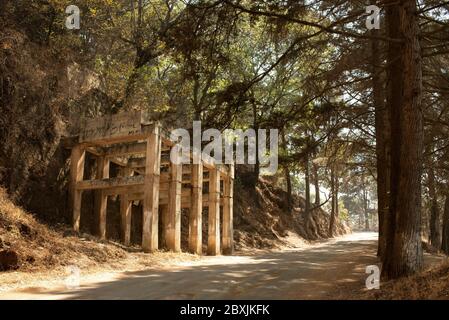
362,112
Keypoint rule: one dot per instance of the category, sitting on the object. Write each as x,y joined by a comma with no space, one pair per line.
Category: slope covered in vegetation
431,284
29,245
262,218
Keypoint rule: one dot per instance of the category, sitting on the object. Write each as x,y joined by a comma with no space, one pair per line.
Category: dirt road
326,270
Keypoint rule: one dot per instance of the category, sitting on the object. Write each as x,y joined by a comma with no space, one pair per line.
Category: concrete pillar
77,159
196,209
125,213
101,200
173,232
228,230
151,191
213,240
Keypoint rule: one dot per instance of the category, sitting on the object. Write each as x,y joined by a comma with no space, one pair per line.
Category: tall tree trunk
316,181
197,109
445,237
256,172
288,179
361,221
333,201
139,59
434,222
403,250
382,145
366,220
365,206
307,181
337,188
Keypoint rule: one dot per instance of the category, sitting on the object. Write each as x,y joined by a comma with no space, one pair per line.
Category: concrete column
77,159
151,191
196,210
173,232
213,240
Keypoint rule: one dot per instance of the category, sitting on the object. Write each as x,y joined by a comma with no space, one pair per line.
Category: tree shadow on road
320,272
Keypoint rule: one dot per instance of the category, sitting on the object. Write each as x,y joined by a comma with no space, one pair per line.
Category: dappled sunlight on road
318,271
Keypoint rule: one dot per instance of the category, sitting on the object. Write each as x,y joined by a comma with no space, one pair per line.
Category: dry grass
431,284
44,254
39,247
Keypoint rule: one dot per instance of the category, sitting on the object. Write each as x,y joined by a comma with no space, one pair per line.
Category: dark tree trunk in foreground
288,179
382,145
365,204
316,181
434,222
256,129
365,208
307,182
403,254
445,237
334,202
337,188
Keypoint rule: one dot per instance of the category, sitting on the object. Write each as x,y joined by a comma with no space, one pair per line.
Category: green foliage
343,212
234,64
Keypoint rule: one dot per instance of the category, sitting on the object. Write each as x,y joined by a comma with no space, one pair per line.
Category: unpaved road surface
326,270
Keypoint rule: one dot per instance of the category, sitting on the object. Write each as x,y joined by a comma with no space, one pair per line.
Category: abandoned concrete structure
141,149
